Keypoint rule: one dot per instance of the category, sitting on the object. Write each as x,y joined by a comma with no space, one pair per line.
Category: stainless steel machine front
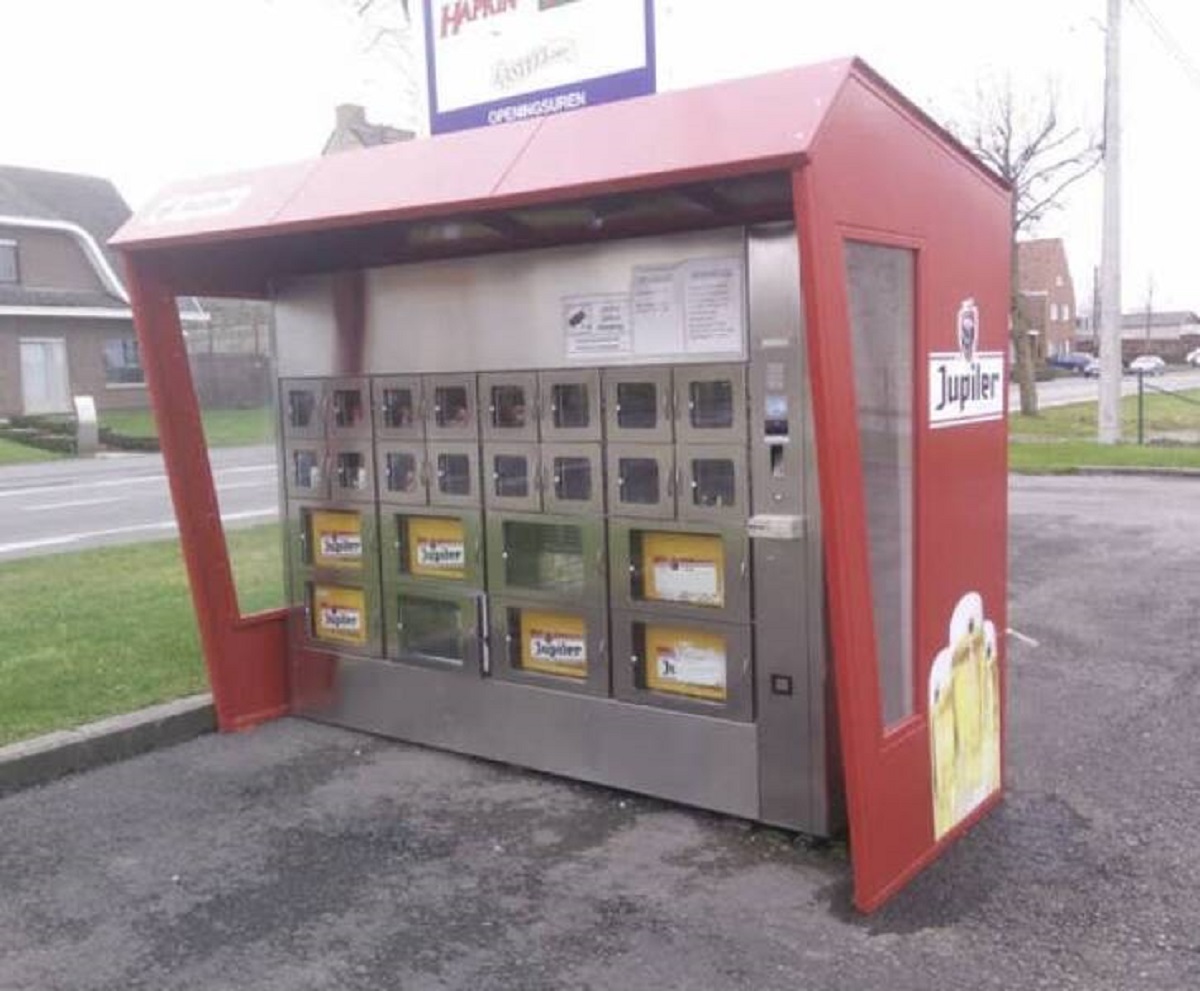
564,517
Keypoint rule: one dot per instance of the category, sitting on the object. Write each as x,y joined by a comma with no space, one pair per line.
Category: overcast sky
146,91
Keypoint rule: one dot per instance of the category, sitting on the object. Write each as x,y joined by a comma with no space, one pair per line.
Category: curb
44,758
1149,472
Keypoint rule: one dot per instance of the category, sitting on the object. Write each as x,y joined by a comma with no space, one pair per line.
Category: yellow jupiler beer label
437,547
684,567
553,643
339,614
336,539
684,661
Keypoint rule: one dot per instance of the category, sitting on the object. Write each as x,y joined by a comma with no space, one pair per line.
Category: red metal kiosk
893,242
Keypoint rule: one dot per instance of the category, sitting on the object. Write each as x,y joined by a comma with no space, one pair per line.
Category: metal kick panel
677,756
564,648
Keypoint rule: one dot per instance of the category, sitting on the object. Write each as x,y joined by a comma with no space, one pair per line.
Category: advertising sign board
495,61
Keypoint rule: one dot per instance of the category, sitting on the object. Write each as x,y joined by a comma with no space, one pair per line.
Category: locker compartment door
705,668
430,545
454,475
342,615
436,628
712,483
305,466
303,402
333,539
546,558
570,406
403,474
637,405
710,404
352,472
510,406
681,570
399,407
641,480
573,479
451,407
552,646
512,477
348,408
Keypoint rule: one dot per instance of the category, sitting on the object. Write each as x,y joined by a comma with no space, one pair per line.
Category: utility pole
1109,424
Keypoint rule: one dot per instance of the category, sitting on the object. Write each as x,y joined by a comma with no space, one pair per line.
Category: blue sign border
541,103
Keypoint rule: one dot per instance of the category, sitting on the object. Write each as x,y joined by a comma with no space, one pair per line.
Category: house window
122,365
1058,281
9,272
1066,311
1053,312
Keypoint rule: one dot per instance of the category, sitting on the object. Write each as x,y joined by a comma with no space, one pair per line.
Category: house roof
1039,261
87,201
736,128
1165,318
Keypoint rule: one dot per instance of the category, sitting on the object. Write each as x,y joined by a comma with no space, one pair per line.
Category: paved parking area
301,856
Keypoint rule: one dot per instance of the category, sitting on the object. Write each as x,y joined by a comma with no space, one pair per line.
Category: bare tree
1025,141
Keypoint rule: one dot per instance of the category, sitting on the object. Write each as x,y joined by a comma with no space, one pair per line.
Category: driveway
300,856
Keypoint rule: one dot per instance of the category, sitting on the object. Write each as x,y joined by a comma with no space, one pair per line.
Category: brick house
1046,295
65,324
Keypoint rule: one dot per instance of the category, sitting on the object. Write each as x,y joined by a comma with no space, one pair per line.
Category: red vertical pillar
245,659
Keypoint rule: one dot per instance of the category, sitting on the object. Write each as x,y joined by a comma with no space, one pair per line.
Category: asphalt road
1077,389
73,504
301,857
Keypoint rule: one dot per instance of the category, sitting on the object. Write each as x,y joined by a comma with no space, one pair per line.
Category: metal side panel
695,760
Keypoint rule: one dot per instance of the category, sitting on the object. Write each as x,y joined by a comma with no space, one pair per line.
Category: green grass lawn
12,453
1164,415
1063,438
107,631
222,427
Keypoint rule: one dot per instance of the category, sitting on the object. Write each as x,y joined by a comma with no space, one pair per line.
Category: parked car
1148,364
1193,357
1073,361
1092,368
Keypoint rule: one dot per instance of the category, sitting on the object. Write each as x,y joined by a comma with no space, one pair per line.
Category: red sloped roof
746,124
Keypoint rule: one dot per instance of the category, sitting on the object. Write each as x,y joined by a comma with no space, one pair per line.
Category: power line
1167,39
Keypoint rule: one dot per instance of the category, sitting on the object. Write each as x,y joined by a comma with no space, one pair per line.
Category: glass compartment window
351,468
573,479
451,407
639,481
637,405
510,475
301,405
454,474
348,408
714,482
508,406
433,628
306,469
710,404
402,472
544,556
399,408
569,406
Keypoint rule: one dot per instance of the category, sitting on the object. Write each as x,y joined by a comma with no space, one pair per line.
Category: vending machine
660,445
